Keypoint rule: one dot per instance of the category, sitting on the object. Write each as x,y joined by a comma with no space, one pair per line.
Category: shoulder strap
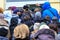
51,12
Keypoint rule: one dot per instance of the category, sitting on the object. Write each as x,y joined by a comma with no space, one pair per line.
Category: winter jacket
49,11
14,22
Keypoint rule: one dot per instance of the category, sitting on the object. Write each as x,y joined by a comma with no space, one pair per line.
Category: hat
45,31
25,6
12,8
43,26
36,26
15,11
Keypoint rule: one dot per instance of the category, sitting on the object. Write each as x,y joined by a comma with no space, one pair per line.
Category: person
47,20
12,8
1,14
37,27
21,32
53,26
27,16
15,20
4,30
49,11
37,16
44,34
21,13
7,15
26,11
37,13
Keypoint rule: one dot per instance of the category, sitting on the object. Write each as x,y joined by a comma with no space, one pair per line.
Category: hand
37,4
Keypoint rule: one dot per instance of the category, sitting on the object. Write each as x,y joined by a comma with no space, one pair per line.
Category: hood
46,5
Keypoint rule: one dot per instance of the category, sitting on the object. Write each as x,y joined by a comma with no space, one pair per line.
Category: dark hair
21,10
16,10
25,7
3,32
54,27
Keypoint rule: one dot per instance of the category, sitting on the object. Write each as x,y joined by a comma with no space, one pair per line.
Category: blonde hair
21,31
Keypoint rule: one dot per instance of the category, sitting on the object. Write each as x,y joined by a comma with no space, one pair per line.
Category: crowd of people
24,24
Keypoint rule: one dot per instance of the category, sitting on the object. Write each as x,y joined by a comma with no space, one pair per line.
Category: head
47,18
17,11
25,7
46,5
54,27
37,9
45,34
1,10
21,32
36,26
12,8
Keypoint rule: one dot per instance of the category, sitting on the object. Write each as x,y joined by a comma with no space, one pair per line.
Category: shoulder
46,11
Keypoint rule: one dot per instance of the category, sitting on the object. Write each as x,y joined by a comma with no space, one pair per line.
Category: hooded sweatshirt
49,11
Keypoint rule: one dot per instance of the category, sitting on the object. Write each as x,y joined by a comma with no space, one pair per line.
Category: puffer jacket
49,11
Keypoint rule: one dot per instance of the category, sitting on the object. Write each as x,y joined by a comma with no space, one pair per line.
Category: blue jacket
47,11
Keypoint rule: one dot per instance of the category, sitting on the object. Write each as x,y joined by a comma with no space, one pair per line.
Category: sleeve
47,13
14,21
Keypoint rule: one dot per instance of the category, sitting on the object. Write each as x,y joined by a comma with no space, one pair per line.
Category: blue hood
46,5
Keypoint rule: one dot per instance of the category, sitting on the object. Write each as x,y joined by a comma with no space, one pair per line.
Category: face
45,37
18,13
